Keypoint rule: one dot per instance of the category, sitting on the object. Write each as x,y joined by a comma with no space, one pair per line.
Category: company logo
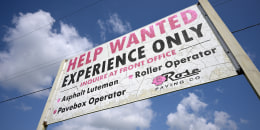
173,76
158,80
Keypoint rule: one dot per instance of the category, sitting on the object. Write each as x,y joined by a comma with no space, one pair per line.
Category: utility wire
218,3
55,61
63,17
246,28
25,95
78,10
39,66
51,87
13,76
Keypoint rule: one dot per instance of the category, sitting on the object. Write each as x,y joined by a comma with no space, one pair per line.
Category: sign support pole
249,69
43,123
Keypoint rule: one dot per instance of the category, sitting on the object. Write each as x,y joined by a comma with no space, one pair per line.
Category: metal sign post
249,69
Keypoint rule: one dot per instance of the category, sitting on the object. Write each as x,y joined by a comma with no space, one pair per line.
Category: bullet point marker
54,112
130,76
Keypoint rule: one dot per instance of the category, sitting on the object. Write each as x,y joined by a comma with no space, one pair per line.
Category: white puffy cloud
193,102
128,117
220,90
113,24
24,107
243,121
34,46
222,120
118,25
103,29
189,117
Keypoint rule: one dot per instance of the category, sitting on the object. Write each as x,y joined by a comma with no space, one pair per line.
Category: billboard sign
173,53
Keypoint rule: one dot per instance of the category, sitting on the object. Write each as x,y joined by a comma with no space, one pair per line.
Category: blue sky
29,62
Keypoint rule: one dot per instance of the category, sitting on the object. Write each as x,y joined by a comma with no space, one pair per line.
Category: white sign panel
173,53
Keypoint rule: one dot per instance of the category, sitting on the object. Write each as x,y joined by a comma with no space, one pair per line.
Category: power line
51,87
218,3
246,28
36,67
15,75
10,99
33,68
56,61
80,9
63,17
